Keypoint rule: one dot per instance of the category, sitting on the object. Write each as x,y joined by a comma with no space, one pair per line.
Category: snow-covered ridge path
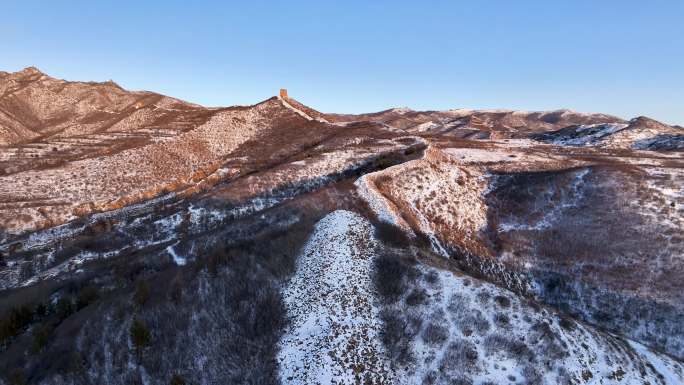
333,335
299,112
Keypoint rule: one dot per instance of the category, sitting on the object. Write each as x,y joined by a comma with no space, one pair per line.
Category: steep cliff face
148,240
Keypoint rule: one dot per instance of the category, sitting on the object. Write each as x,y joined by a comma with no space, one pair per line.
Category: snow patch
380,205
179,260
401,110
589,134
427,126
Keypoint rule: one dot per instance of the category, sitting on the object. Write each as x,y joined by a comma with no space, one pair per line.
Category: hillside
639,133
147,240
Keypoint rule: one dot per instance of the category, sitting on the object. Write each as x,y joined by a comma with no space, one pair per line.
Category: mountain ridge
405,118
157,240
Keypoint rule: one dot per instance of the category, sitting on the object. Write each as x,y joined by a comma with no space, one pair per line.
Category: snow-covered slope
639,133
448,327
333,335
592,235
465,331
584,135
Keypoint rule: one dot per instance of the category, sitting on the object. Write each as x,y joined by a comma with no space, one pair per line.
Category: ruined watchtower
283,93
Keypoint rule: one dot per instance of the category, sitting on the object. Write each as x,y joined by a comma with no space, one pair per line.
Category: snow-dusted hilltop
147,240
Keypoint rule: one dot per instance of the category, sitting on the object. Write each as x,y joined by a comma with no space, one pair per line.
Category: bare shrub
549,344
483,296
516,349
458,303
392,235
479,321
416,297
501,320
390,273
564,377
567,323
502,301
460,380
461,357
397,335
532,375
140,335
431,277
435,334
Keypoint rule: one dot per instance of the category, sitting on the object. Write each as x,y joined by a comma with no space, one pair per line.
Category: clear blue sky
621,57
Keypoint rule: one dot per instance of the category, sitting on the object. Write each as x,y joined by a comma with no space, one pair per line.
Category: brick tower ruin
283,93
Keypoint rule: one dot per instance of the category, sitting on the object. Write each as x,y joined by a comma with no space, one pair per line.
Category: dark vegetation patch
581,208
502,301
224,307
392,273
501,320
496,342
527,196
395,276
567,323
461,356
568,133
392,235
435,334
599,218
549,345
479,322
397,335
416,297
